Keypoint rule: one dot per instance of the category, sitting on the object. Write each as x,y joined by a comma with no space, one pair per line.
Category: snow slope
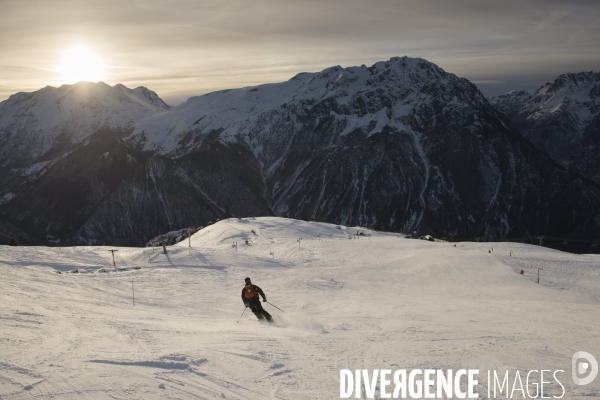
358,302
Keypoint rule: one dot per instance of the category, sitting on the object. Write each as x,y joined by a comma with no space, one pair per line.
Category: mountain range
401,144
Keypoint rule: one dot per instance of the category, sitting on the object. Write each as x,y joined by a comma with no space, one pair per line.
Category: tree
12,242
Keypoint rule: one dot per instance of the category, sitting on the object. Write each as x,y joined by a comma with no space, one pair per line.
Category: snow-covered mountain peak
145,96
561,118
572,83
574,94
31,123
382,94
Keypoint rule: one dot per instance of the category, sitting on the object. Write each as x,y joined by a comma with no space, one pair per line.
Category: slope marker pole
113,257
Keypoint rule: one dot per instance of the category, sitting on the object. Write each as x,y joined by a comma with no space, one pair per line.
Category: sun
81,64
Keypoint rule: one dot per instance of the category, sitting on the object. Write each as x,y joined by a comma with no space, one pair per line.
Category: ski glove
264,300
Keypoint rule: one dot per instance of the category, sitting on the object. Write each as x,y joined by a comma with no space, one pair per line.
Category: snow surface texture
356,302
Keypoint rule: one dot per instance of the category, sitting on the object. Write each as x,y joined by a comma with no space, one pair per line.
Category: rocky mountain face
401,143
562,118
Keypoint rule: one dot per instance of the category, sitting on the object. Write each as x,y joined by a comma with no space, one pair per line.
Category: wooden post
538,281
541,239
193,230
113,257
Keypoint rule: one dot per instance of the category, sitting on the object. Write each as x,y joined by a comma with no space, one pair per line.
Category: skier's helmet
247,280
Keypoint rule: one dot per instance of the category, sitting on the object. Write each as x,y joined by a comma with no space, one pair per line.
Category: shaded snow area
373,301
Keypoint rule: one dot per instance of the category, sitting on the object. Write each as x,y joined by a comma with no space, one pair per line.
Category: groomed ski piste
370,301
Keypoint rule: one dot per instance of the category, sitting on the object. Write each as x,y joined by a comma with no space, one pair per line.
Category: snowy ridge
577,95
371,301
32,123
243,112
561,118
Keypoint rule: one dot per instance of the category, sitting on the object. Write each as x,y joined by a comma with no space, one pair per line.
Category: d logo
580,367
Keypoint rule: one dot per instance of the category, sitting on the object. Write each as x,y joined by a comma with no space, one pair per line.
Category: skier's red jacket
250,292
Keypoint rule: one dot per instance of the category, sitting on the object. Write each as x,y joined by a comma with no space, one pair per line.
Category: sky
184,48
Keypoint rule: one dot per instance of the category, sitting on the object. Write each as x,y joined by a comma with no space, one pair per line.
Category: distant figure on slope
250,298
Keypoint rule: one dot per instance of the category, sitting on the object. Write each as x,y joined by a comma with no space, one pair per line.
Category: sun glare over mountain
82,64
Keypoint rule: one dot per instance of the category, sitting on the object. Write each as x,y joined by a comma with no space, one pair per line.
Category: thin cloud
552,19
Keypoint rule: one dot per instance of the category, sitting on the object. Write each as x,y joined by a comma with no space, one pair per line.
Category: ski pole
242,315
275,306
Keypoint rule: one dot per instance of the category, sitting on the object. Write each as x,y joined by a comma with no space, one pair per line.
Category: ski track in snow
370,302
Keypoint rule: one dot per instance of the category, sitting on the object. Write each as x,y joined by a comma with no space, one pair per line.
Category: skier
250,298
